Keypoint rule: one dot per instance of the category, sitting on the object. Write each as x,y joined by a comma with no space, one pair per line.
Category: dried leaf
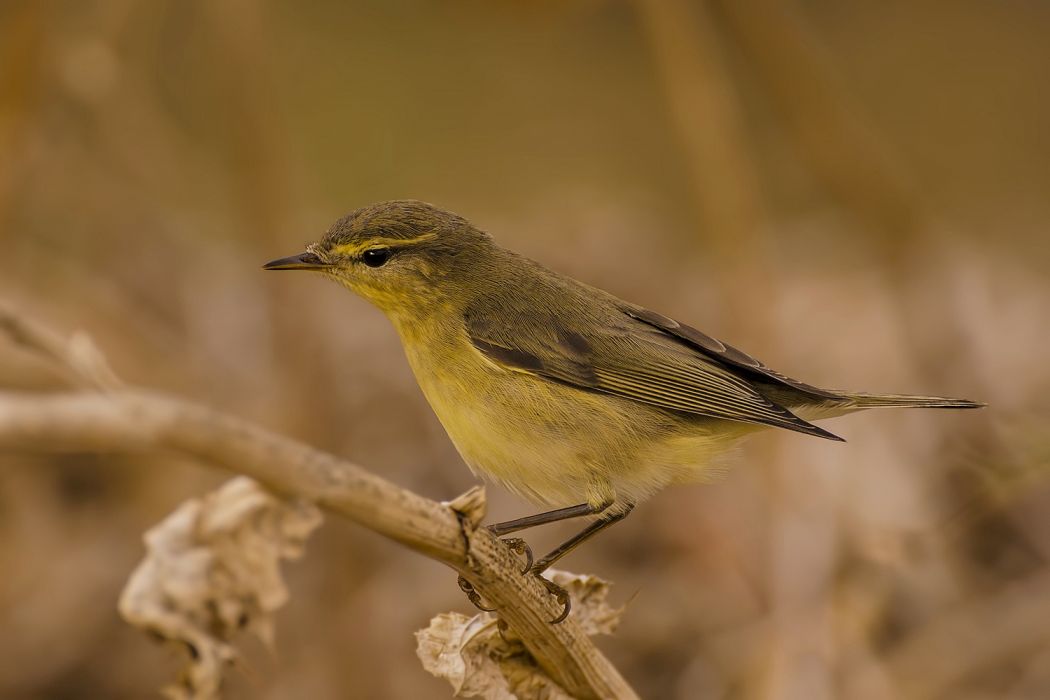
470,653
479,662
212,568
589,606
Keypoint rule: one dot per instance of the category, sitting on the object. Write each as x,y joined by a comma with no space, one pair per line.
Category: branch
839,141
705,110
138,420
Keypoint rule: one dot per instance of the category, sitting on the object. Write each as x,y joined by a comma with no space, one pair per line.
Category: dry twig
130,420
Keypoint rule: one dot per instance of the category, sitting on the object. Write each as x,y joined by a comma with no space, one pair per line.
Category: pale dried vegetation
857,197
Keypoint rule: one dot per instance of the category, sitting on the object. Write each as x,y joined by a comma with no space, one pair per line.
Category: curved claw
520,546
472,595
559,593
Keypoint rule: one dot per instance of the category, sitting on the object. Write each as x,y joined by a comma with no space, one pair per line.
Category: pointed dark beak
302,261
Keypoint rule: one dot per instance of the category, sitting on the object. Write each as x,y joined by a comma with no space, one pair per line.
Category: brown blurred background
854,192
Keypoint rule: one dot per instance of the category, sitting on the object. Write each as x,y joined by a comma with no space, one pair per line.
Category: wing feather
630,360
723,352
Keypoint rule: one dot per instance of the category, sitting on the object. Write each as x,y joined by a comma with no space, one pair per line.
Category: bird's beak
302,261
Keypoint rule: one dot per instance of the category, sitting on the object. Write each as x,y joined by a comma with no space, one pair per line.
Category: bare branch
138,420
78,357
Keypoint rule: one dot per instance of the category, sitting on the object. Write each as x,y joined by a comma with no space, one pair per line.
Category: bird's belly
558,445
535,442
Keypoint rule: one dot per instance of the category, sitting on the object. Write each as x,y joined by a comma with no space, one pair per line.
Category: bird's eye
376,257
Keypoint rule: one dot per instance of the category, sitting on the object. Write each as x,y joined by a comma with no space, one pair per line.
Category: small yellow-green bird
560,391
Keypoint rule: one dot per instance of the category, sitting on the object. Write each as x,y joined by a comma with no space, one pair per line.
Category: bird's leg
564,548
577,539
520,546
550,516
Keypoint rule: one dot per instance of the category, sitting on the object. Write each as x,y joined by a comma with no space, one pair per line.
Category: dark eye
376,257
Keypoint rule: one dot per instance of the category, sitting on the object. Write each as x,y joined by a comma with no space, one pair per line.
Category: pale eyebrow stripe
351,249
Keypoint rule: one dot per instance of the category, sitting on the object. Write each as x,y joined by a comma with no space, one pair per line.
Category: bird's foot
559,593
516,545
522,548
472,595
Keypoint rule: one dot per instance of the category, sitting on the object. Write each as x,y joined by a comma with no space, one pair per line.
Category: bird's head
404,256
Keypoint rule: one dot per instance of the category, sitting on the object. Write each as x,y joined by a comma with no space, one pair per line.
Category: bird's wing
724,352
630,358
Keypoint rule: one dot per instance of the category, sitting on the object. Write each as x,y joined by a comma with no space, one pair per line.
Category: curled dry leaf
480,662
471,655
212,568
589,606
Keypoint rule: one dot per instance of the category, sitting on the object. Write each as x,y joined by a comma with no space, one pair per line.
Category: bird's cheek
350,282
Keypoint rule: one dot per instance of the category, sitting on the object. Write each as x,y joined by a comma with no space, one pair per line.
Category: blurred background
853,192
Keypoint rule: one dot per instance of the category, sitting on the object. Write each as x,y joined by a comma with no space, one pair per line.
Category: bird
565,394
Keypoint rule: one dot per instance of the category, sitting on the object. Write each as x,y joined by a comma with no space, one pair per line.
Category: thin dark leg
521,547
577,539
551,516
559,593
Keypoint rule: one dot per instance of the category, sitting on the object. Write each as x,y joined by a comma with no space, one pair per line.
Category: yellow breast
553,444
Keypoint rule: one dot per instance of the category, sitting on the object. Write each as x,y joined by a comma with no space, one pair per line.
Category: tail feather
907,401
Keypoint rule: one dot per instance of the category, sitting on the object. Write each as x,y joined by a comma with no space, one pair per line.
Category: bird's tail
860,401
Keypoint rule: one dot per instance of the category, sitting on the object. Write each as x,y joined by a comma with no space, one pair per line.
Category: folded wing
632,358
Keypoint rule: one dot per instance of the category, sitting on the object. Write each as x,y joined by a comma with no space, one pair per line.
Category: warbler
562,392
